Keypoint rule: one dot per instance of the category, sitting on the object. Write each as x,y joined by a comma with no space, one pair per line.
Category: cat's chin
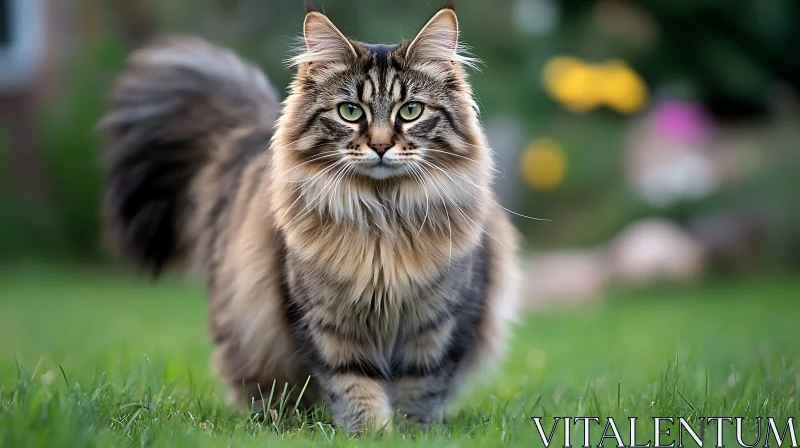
382,171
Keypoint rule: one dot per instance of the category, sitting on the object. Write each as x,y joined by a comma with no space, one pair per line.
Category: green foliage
69,222
73,146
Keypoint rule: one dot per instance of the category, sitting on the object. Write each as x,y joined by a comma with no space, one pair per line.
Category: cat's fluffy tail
168,111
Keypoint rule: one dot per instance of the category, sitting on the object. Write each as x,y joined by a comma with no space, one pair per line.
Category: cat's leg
357,402
424,370
353,378
250,378
254,349
251,370
421,399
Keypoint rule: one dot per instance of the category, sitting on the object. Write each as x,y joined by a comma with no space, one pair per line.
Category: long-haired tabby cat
349,235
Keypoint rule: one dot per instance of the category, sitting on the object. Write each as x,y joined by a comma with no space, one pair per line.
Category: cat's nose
380,148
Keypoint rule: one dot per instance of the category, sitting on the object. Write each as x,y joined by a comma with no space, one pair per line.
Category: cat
349,235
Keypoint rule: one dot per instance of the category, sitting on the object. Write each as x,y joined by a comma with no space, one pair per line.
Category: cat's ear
324,42
438,40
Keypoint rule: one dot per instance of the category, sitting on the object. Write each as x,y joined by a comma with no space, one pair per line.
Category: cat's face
382,111
375,134
381,114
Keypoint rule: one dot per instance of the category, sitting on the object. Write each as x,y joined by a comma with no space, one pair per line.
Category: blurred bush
736,58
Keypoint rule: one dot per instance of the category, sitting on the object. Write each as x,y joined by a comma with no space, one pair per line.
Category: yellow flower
581,87
623,89
543,164
570,81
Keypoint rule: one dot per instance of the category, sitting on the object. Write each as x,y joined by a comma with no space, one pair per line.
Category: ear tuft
309,5
437,45
448,4
438,40
324,42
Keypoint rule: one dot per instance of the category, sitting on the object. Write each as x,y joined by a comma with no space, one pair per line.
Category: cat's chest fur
373,283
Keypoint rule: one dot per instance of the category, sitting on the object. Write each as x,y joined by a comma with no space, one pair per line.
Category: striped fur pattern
367,253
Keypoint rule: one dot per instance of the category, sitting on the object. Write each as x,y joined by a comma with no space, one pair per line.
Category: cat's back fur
384,291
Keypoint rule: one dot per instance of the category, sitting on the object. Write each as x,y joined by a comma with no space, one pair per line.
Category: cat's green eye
350,112
411,111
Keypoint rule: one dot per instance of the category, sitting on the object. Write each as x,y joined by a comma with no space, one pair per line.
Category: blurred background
660,138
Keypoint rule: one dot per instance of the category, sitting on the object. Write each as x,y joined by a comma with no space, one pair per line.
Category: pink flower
682,121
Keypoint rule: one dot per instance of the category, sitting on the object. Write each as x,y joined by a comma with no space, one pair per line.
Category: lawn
95,357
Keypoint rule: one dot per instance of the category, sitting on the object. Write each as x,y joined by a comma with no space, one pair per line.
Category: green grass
89,357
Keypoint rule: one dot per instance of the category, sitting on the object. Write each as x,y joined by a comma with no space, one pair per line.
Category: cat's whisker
454,203
488,149
335,193
312,204
416,172
330,190
459,208
482,189
309,203
474,146
350,202
449,224
322,172
461,142
440,169
315,159
314,177
485,164
301,195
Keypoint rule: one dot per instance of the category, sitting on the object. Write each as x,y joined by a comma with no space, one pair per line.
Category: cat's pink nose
380,148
